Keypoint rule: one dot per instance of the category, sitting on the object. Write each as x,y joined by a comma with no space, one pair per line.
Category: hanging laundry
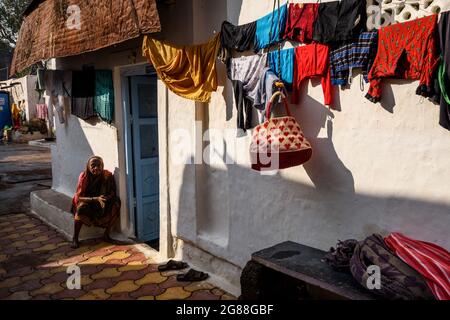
40,82
243,106
269,28
42,111
430,260
405,51
58,86
340,20
311,61
245,74
188,71
104,95
58,82
267,89
442,77
15,114
239,38
358,54
282,63
23,114
18,93
300,22
83,93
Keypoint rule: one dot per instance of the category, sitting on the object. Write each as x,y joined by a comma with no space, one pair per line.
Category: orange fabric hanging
189,71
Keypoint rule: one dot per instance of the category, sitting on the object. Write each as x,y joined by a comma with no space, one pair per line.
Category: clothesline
91,92
335,50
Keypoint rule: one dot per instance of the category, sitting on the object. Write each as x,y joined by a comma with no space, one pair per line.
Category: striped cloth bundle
430,260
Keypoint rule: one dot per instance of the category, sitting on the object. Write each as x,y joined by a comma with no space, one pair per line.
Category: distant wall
386,12
77,140
375,167
24,91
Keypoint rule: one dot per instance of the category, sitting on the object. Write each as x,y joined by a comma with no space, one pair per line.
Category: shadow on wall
265,210
388,99
73,146
242,211
73,150
234,11
236,211
325,158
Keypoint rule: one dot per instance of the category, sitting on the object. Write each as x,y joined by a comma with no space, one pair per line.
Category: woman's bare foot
75,244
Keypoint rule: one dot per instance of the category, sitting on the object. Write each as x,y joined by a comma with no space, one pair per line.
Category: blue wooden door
5,111
145,155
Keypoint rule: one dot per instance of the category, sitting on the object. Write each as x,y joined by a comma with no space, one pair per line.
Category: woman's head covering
96,158
86,179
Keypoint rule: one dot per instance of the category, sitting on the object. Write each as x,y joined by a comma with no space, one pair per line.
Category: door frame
147,205
126,72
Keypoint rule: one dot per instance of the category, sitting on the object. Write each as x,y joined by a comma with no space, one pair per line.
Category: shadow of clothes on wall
244,211
325,159
325,169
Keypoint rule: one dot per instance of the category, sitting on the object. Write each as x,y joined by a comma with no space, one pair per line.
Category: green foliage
24,72
10,22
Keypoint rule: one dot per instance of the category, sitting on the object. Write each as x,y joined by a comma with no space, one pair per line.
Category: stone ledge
42,143
53,208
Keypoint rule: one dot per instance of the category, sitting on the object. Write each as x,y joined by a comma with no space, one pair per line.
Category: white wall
25,91
401,11
77,139
376,168
32,97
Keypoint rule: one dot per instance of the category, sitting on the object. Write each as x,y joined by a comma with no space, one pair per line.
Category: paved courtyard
23,169
34,257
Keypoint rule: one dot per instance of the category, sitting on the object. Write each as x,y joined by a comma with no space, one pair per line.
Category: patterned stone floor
34,259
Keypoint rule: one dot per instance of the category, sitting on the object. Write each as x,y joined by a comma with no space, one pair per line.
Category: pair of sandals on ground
191,275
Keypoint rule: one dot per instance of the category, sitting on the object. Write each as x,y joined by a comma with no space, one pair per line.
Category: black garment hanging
239,38
244,106
83,93
340,21
443,71
245,74
40,82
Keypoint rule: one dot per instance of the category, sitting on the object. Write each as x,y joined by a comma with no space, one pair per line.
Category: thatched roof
44,33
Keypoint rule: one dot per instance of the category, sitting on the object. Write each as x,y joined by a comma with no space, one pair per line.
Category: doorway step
53,208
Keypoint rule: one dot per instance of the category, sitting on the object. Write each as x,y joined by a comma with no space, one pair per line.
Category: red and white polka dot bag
279,143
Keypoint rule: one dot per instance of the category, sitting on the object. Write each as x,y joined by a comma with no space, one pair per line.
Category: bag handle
272,99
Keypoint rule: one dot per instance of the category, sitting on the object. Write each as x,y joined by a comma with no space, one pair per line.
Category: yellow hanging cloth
15,111
189,71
